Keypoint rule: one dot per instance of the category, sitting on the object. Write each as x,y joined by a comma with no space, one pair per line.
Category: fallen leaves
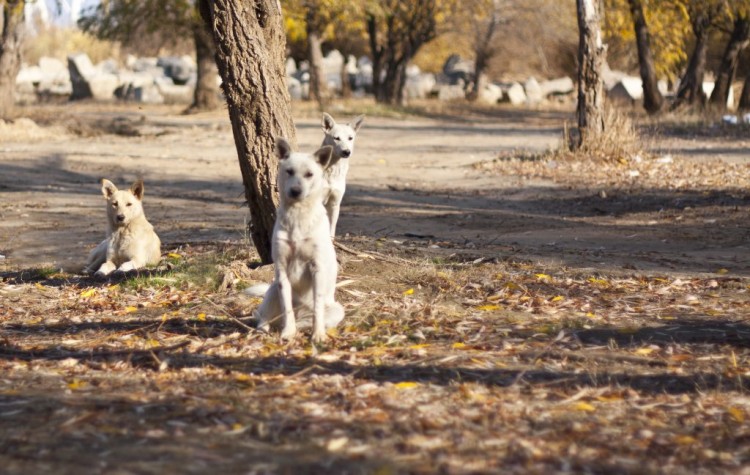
481,355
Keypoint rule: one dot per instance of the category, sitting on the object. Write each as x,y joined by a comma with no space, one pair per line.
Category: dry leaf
488,308
88,293
685,440
584,406
334,445
737,414
408,292
406,385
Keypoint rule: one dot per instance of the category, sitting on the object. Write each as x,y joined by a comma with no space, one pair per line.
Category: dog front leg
333,207
128,266
319,306
289,325
107,268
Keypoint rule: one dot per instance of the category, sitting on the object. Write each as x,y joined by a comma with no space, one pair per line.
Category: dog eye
129,204
114,203
351,138
308,175
338,139
290,172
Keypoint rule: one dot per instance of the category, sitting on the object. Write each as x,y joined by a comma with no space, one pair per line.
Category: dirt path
412,182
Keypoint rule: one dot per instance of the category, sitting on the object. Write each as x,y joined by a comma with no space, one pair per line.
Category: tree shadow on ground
722,333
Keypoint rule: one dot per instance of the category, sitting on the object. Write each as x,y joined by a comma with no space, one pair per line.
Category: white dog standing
131,242
341,138
302,249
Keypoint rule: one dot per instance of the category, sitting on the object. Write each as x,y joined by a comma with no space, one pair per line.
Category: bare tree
738,40
250,47
486,20
592,53
396,31
653,101
160,22
703,15
313,25
11,39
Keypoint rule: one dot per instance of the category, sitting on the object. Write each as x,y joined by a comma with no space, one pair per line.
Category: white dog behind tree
131,242
341,138
302,249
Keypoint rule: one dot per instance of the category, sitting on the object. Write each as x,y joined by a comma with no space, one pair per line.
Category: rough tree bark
250,46
206,95
653,101
591,56
11,39
738,40
690,91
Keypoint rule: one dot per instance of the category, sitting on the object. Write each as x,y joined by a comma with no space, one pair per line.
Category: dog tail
258,290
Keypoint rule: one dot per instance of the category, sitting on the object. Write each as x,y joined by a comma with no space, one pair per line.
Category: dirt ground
413,180
506,313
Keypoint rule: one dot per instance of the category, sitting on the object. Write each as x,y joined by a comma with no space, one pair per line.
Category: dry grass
60,42
620,140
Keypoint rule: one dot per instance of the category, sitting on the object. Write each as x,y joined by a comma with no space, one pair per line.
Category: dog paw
101,275
319,337
288,333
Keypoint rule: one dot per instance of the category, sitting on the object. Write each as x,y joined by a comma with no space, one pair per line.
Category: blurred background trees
688,53
154,24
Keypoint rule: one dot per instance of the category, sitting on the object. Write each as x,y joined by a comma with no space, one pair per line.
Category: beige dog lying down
131,242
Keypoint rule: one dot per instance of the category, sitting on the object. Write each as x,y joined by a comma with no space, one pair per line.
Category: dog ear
357,122
137,189
108,188
283,149
324,156
328,122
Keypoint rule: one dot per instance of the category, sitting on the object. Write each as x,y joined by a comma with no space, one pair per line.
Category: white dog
302,249
131,242
341,138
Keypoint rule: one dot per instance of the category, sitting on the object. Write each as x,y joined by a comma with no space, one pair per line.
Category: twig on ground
370,255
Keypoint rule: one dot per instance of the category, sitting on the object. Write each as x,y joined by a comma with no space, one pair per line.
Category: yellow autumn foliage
669,31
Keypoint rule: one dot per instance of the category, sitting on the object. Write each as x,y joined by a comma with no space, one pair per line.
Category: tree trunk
392,88
725,75
11,39
591,56
691,85
482,54
318,86
405,32
250,46
206,95
744,104
377,52
652,98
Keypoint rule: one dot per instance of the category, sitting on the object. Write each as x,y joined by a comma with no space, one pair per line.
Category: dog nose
120,217
346,153
295,192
